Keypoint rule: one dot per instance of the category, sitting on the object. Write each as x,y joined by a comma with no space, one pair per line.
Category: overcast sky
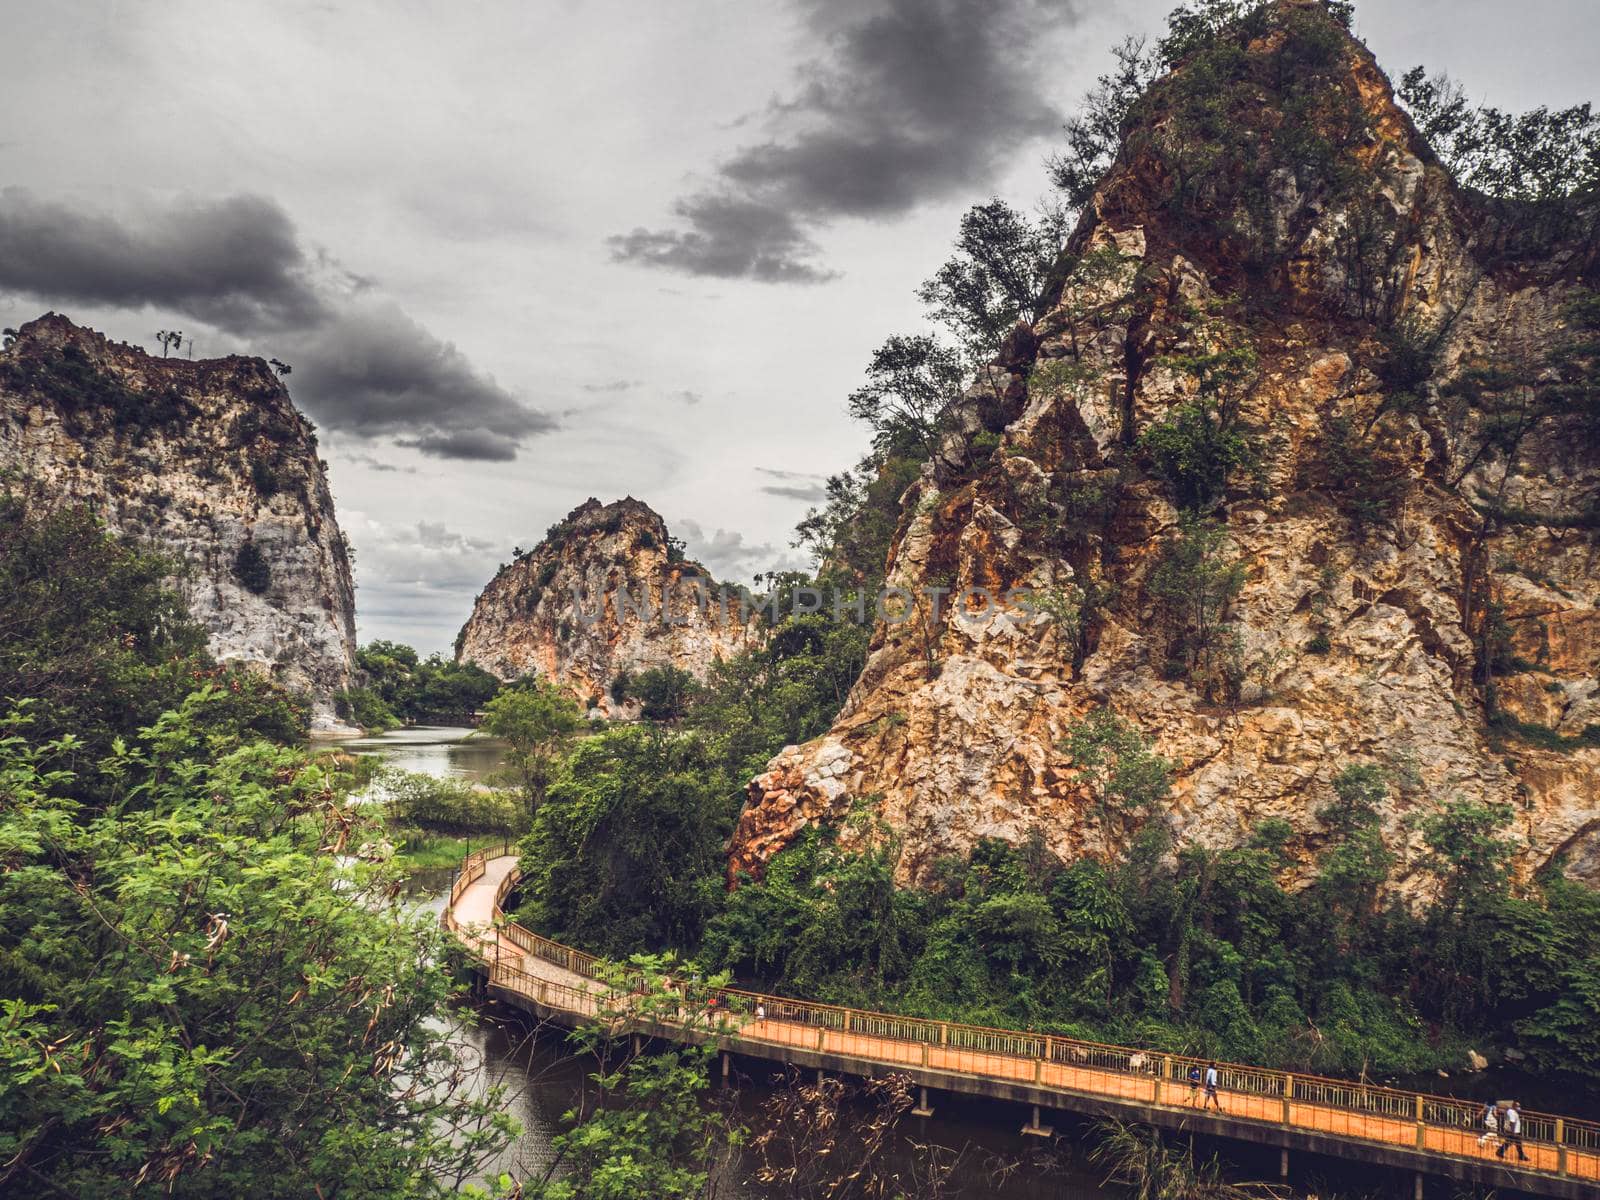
520,253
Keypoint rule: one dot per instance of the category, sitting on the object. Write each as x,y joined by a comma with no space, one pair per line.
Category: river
543,1080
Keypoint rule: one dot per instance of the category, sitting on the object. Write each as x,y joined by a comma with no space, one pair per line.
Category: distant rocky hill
606,594
1280,312
209,461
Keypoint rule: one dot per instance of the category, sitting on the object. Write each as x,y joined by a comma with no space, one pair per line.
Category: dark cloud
373,463
374,372
234,263
685,396
909,101
795,485
437,536
729,236
611,385
362,366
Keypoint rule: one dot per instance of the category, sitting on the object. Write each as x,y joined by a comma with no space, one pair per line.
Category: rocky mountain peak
207,459
1302,455
606,595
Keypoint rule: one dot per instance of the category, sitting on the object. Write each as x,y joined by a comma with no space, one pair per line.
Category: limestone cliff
207,460
1412,498
605,594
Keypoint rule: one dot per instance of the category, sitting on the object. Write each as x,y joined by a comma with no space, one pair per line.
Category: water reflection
446,751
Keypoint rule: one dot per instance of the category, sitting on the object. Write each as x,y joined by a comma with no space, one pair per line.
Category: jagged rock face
960,738
599,597
201,460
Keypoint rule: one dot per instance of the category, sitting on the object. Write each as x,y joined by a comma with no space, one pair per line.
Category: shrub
251,570
664,693
1193,583
366,708
437,805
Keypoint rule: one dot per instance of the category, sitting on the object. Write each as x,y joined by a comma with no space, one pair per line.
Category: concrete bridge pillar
1035,1129
1283,1164
923,1108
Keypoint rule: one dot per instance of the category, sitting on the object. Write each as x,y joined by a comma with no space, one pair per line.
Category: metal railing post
1561,1146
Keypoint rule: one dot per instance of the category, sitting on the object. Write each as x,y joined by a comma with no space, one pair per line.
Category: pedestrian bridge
1430,1135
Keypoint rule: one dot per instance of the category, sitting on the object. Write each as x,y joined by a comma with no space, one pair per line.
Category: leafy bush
181,961
250,568
664,693
365,708
99,644
1193,583
438,805
417,690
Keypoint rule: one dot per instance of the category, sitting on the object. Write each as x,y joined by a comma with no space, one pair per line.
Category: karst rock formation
1277,250
207,461
604,596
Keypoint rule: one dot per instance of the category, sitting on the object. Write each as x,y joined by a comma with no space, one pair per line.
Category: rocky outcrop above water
605,596
208,461
1413,517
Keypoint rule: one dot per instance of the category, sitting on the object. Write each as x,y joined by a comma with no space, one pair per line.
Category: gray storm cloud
361,366
235,263
383,374
907,101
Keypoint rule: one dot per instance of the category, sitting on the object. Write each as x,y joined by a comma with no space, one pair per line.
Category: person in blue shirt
1211,1088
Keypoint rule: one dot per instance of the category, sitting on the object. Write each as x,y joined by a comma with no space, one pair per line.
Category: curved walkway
1408,1129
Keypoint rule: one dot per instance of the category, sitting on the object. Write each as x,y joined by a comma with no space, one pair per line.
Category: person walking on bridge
1194,1084
1211,1089
1511,1133
1490,1120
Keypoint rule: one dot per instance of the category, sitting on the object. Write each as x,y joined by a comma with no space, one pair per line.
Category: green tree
200,995
626,852
1199,445
911,380
1002,272
1127,780
99,642
1194,583
534,719
643,1126
664,693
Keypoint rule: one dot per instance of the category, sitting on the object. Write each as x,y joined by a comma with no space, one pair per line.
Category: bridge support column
923,1108
727,1065
1283,1164
1035,1129
1416,1190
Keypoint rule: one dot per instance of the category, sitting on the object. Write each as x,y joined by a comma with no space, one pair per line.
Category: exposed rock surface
1358,643
605,594
201,459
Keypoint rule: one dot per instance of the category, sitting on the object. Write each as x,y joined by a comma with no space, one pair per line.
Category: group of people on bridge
1503,1117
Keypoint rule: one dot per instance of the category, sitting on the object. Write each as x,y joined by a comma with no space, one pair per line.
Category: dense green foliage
200,993
99,643
403,688
436,805
191,970
533,717
644,1125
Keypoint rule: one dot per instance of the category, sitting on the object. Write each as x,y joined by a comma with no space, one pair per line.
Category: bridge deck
1431,1134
